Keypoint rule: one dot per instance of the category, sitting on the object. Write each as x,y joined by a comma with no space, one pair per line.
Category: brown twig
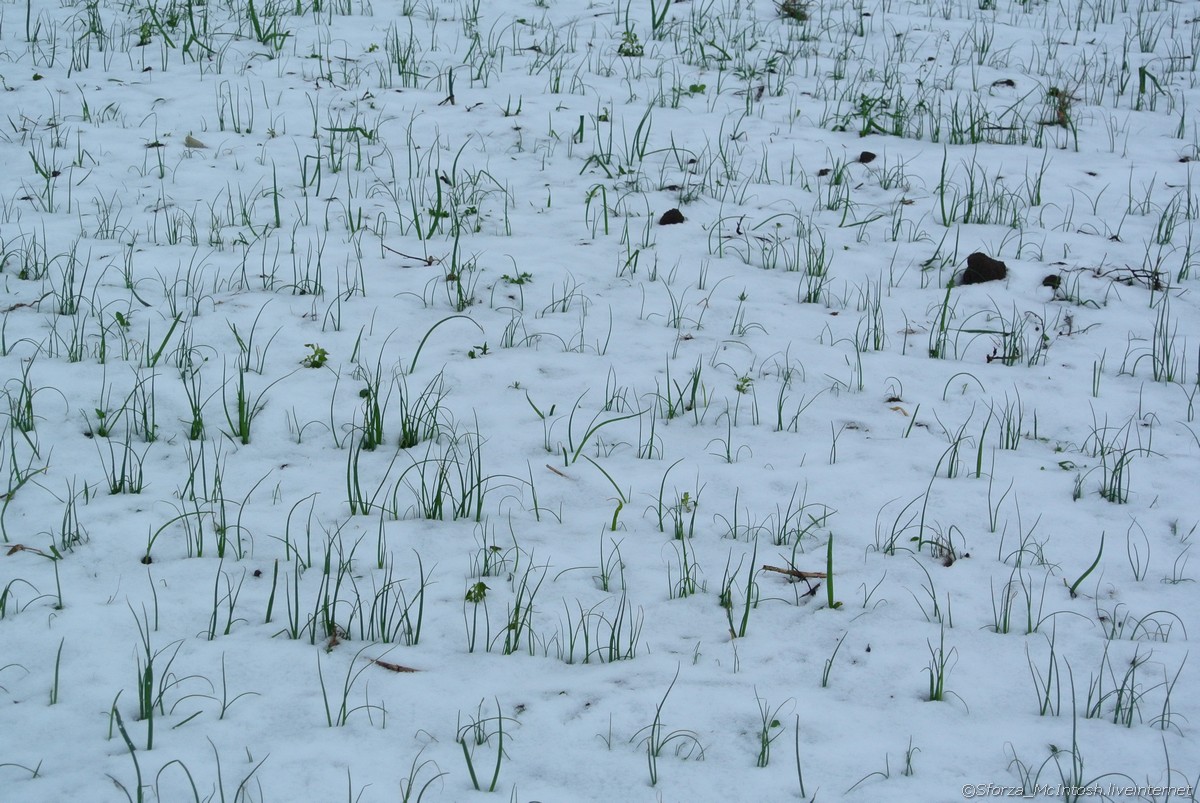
388,665
425,261
795,573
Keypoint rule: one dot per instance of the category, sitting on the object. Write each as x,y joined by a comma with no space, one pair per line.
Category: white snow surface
240,241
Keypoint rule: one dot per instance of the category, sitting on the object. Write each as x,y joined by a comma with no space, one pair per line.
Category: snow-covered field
592,401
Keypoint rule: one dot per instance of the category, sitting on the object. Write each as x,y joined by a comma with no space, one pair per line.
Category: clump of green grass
793,10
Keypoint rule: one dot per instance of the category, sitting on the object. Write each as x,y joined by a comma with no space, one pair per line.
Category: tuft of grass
656,738
795,10
478,732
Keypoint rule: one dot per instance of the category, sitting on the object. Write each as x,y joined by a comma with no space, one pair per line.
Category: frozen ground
343,340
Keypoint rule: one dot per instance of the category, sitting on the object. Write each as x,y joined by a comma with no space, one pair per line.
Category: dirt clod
982,268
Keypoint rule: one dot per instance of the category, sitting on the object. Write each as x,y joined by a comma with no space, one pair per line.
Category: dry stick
796,573
392,667
426,261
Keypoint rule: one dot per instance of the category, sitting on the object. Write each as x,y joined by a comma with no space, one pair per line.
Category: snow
450,213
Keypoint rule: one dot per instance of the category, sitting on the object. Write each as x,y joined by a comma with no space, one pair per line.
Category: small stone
866,157
1053,281
191,142
670,217
982,268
